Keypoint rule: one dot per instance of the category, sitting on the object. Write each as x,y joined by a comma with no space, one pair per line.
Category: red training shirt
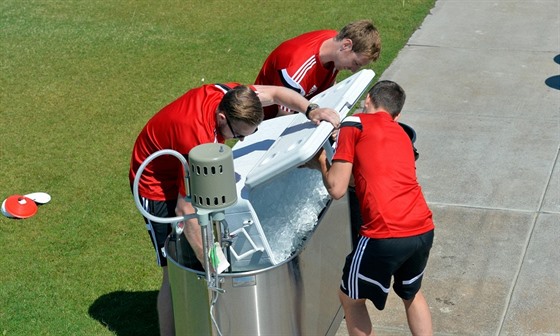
295,64
182,125
391,200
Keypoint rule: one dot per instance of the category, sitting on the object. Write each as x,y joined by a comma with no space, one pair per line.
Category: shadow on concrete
127,313
553,82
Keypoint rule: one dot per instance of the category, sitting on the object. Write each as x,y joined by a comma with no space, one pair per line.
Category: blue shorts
373,263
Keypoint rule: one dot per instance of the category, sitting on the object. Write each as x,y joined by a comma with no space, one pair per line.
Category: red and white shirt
295,64
391,200
182,125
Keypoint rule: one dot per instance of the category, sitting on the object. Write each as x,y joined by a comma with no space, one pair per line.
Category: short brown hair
365,38
388,95
242,104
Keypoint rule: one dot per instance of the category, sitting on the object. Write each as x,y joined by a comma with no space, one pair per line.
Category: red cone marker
20,206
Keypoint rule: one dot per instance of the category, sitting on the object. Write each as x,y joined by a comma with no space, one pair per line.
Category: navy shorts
373,263
159,231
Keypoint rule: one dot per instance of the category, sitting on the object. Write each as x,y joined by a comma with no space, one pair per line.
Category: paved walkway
483,93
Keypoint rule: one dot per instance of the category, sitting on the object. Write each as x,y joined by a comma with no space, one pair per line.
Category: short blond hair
365,38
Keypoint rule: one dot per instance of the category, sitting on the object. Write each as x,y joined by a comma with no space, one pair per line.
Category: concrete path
483,93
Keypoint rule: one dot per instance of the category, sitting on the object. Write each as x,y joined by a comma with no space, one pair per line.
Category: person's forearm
313,112
324,168
336,178
291,99
194,237
192,227
279,95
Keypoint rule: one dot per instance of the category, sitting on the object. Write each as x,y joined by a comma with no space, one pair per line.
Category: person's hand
334,134
324,113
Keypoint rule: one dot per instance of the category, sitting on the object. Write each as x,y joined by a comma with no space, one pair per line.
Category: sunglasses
235,134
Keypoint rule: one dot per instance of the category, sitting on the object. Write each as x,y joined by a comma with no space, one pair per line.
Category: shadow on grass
127,313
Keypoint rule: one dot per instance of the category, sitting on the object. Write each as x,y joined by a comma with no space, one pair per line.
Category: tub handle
254,249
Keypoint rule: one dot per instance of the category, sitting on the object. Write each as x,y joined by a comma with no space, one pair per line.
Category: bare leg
357,318
165,307
418,315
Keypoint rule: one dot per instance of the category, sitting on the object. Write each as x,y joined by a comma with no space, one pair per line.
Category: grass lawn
79,79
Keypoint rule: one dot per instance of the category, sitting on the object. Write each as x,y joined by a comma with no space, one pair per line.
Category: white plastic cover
302,139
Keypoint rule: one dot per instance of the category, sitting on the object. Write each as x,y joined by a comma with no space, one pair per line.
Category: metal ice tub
295,297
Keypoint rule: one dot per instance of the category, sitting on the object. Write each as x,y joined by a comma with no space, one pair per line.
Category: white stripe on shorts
371,281
355,268
408,282
150,229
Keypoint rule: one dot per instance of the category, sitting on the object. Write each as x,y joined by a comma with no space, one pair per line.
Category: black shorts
370,267
159,231
355,215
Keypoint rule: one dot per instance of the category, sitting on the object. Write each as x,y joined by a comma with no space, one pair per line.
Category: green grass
78,81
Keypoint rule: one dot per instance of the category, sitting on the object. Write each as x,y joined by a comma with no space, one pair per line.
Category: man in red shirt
397,231
309,63
208,114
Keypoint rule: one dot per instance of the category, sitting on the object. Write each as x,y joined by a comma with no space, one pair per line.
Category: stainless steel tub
295,297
